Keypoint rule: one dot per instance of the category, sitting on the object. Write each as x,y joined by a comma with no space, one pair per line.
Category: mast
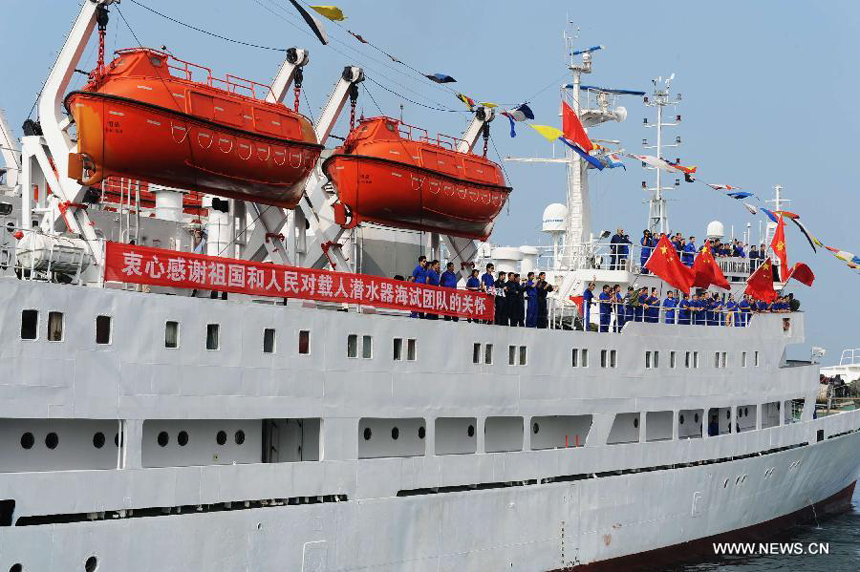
577,228
658,218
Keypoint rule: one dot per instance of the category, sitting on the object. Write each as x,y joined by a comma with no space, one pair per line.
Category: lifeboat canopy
156,118
397,175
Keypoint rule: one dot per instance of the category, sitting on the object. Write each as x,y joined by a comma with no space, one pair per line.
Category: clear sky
769,91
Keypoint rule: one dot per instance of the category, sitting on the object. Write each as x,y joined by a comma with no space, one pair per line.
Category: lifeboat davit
156,118
393,174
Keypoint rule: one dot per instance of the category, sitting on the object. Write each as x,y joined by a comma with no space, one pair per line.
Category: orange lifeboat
393,174
147,118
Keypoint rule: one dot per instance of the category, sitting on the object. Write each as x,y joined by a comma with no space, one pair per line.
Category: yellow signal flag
548,132
333,13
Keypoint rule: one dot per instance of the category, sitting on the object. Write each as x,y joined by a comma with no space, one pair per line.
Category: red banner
158,267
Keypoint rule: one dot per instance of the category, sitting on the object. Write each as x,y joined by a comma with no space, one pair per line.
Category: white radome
554,216
716,229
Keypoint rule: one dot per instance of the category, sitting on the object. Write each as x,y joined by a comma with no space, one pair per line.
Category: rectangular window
604,358
656,359
476,353
523,355
716,359
366,347
574,354
55,326
213,332
398,349
304,342
171,335
583,357
696,360
672,360
512,355
743,359
411,349
687,362
724,358
613,355
103,330
269,341
488,354
755,359
647,360
352,346
29,324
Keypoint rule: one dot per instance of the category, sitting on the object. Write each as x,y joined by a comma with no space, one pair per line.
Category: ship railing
850,357
621,314
421,135
230,83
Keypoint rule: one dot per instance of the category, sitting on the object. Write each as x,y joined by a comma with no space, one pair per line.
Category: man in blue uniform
419,276
449,279
487,279
501,318
669,307
652,312
647,243
532,301
719,315
587,300
639,311
684,310
618,306
431,278
689,252
732,316
700,311
745,310
543,289
605,308
753,258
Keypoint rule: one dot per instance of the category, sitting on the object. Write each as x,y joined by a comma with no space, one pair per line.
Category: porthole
182,438
239,437
395,433
221,437
52,440
16,568
535,428
99,440
367,433
681,419
422,432
27,440
163,439
636,422
91,565
470,431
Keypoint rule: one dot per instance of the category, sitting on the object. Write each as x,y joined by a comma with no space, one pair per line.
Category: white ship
159,428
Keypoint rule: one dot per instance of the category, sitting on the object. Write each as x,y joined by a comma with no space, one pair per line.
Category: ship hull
610,522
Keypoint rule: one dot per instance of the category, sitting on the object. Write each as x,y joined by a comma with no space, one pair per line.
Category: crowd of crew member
519,300
702,308
620,243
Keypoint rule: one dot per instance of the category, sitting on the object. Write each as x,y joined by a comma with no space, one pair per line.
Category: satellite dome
715,229
553,217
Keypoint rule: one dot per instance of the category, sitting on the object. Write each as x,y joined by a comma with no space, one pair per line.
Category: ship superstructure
145,426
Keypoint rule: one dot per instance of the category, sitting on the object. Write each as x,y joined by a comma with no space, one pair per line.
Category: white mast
578,223
779,204
658,219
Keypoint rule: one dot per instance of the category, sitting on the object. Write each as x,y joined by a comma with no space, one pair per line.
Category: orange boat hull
385,173
123,137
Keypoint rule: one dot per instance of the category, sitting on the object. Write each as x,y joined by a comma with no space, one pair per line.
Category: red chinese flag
579,300
760,284
802,273
777,245
706,271
573,130
664,262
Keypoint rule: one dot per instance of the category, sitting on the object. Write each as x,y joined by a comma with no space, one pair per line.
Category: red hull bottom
703,547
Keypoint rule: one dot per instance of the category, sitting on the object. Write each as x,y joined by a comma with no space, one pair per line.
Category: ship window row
518,355
579,357
608,358
352,346
104,332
